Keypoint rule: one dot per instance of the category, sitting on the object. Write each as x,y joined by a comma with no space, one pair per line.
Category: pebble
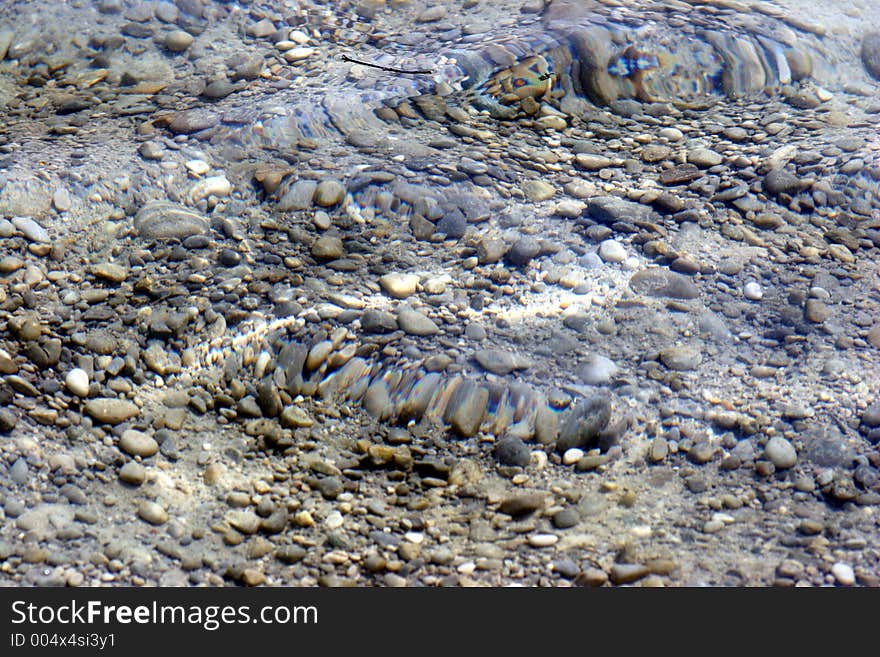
110,410
399,286
752,291
565,519
178,40
77,382
626,573
152,512
329,193
31,229
523,251
572,456
780,452
166,220
520,505
704,158
328,247
612,251
499,362
543,540
61,200
415,323
870,53
780,181
137,443
597,370
681,358
843,573
133,473
538,190
19,472
511,450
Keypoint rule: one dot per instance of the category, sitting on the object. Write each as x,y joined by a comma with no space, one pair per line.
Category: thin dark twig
386,68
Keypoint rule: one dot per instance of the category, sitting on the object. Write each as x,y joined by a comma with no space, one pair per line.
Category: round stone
752,291
133,473
780,452
612,251
843,573
178,40
572,456
329,193
137,443
152,513
77,382
415,323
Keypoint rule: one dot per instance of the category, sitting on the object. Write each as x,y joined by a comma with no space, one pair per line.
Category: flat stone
538,190
597,370
520,505
780,181
659,282
415,323
704,158
399,286
31,229
166,220
110,410
681,358
152,513
626,573
137,443
328,247
194,120
499,362
378,321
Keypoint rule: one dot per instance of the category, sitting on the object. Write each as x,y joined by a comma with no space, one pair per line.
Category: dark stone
330,487
780,181
679,175
523,251
521,505
583,424
512,451
565,519
378,321
871,53
657,282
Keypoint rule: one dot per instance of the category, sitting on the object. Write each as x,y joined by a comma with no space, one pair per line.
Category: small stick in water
385,68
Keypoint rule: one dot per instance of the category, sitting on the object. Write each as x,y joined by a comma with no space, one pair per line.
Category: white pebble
572,456
198,167
414,537
211,186
612,251
543,540
31,229
334,520
298,54
843,573
77,381
752,291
